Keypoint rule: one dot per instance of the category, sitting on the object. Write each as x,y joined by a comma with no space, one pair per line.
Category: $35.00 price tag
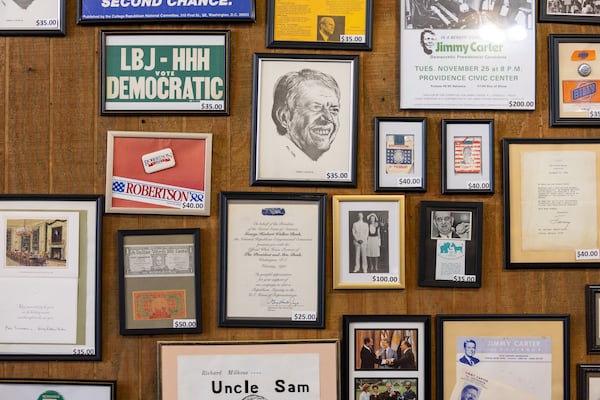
587,254
304,316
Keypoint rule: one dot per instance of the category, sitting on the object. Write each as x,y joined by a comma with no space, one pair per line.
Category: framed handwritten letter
551,194
272,260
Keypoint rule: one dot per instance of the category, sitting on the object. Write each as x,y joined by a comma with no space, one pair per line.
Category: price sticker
587,254
46,22
385,278
352,38
184,323
211,105
594,113
478,185
521,104
409,181
333,176
304,316
83,351
464,278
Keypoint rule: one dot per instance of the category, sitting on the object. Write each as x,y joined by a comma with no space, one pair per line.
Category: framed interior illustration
151,11
22,389
499,356
320,25
569,12
467,156
450,246
50,293
164,72
574,98
384,354
368,242
400,154
272,259
592,313
274,370
158,172
304,127
551,200
159,281
588,381
33,18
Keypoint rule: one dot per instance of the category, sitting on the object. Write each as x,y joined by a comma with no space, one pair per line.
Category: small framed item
32,18
272,260
592,313
467,156
368,242
164,72
574,80
588,381
159,281
158,173
400,154
320,25
499,356
59,389
248,370
386,356
304,123
551,203
451,244
569,12
50,286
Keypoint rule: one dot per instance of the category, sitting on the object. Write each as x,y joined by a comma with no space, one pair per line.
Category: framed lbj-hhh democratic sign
30,17
164,72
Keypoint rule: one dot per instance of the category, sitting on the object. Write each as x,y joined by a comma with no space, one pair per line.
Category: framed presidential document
274,370
551,193
574,95
59,389
317,24
400,154
50,286
158,173
386,356
450,246
159,281
592,313
272,259
467,156
32,18
497,356
304,125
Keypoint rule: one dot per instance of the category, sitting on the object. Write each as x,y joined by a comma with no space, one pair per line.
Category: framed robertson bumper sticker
472,55
165,72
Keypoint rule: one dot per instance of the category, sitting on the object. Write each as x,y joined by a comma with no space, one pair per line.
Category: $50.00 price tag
184,323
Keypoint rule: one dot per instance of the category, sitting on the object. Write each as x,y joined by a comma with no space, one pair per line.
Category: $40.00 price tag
587,254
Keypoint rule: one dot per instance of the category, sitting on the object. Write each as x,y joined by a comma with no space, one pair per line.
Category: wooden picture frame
562,12
369,242
588,381
31,388
364,360
450,247
159,281
297,145
400,154
266,232
29,18
501,355
592,317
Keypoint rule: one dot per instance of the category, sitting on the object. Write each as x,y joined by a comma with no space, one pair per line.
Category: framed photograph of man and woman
386,357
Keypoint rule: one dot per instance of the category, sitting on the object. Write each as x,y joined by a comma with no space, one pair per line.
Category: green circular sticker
50,395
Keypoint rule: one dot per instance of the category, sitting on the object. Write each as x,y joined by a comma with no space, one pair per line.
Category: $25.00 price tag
304,316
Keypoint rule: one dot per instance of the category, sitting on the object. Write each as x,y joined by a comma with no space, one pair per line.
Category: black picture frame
400,154
592,316
253,229
159,281
547,14
475,175
415,329
43,18
24,388
454,261
588,381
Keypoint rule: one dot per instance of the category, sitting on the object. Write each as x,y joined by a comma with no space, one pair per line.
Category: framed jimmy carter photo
320,24
304,125
159,281
450,248
592,313
368,242
400,154
467,156
59,389
499,356
386,356
565,11
588,381
574,80
32,18
551,203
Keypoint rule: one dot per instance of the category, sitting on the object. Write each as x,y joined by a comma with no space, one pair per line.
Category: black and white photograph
451,224
570,11
32,17
370,241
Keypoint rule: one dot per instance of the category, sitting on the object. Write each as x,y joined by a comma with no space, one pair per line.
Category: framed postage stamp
574,96
551,201
33,18
400,154
164,72
561,11
273,370
499,356
588,381
320,25
368,242
158,172
272,259
450,248
159,281
467,156
50,277
304,127
592,313
386,357
59,389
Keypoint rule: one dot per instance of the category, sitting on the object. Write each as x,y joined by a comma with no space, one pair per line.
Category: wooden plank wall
53,140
